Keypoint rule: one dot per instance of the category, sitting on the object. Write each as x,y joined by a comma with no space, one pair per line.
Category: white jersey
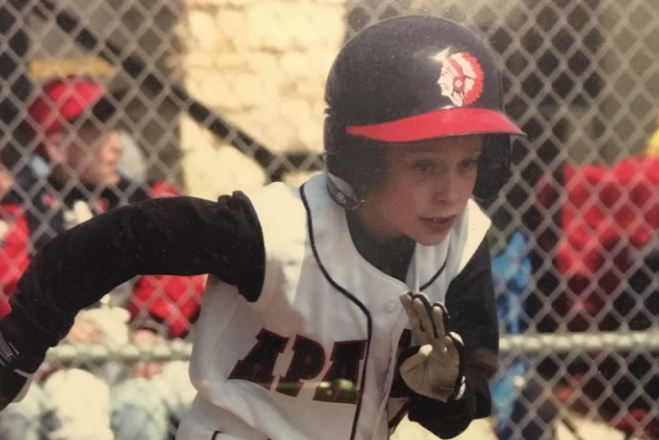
324,314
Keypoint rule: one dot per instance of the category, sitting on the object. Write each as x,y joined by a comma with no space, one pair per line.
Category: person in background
74,122
5,182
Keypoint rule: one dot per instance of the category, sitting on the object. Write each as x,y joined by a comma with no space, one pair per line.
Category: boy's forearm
73,271
167,236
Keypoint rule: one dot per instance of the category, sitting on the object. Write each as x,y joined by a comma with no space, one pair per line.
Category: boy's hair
409,79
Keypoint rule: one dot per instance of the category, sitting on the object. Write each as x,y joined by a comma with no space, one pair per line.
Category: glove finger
408,304
422,309
451,348
418,336
406,300
424,300
438,316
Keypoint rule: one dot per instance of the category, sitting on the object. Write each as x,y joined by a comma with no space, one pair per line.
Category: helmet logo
461,78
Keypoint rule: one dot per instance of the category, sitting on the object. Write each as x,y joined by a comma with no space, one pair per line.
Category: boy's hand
434,370
17,365
13,385
14,382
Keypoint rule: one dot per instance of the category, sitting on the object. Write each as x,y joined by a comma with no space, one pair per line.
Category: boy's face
427,186
93,154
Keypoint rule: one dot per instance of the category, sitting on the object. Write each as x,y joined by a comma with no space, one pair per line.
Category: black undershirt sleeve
471,304
169,236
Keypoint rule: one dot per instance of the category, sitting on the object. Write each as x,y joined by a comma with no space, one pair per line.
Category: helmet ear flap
360,162
335,140
333,136
493,166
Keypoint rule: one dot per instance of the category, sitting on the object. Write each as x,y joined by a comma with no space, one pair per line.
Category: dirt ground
482,430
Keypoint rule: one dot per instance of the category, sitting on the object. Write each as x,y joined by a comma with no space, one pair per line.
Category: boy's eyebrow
406,149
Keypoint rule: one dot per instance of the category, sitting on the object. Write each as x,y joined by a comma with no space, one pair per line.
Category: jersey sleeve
165,304
471,304
164,236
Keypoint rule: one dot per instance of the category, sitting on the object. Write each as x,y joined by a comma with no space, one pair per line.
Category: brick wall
262,64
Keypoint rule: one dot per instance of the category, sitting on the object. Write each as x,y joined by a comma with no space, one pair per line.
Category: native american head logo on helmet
461,78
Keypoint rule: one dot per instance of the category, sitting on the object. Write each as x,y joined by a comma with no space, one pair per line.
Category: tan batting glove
434,370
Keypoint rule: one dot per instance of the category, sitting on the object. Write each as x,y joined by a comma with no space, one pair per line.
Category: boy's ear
55,148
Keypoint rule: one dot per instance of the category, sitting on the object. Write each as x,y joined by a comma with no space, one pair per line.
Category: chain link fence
227,94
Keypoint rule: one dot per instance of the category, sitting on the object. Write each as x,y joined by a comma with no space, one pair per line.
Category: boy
302,333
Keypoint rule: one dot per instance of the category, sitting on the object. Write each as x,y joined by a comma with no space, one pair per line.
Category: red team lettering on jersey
307,363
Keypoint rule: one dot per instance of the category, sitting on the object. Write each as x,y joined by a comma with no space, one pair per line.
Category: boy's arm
470,301
176,236
164,304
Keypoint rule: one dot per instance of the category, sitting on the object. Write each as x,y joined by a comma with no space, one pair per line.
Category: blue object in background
511,270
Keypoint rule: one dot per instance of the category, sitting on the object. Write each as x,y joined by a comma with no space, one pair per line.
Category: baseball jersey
324,316
300,327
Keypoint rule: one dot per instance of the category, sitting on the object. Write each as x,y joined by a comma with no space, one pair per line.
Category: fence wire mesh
217,95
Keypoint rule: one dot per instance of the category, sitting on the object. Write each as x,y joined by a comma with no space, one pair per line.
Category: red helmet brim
437,124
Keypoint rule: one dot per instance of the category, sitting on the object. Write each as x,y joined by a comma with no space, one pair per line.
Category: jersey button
391,306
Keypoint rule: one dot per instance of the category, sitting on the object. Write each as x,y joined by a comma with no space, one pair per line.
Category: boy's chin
430,240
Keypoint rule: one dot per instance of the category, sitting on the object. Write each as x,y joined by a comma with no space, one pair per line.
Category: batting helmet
409,79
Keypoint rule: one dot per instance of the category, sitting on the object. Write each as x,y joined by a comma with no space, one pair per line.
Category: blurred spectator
132,162
5,182
75,134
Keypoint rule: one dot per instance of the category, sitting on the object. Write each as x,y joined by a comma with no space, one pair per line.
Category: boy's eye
470,164
424,167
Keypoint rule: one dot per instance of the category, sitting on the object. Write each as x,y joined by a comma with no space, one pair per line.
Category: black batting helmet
409,79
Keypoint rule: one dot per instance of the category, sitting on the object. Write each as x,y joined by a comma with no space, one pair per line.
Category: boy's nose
444,190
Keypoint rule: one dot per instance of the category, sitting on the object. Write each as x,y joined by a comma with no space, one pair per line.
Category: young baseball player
336,308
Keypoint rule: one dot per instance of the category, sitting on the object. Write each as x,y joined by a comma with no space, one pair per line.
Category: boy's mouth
439,222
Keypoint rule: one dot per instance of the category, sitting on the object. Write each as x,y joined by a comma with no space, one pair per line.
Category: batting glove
16,368
434,370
